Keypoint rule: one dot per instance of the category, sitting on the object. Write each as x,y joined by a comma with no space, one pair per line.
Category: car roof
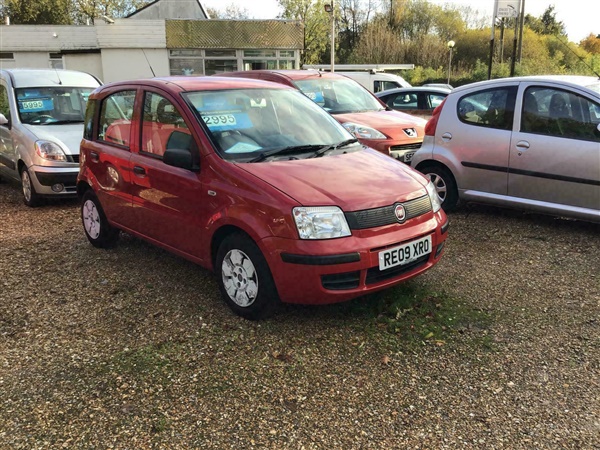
49,77
292,74
437,90
588,82
206,83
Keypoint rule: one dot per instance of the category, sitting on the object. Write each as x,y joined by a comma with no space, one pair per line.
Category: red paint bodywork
184,211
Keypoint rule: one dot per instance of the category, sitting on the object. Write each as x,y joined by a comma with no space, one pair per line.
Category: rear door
168,201
555,152
108,155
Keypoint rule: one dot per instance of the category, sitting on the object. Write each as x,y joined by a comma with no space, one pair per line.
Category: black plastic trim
312,260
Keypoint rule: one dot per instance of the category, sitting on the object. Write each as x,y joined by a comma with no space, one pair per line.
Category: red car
256,182
375,124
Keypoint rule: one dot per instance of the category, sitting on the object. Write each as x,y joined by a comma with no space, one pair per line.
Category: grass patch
419,315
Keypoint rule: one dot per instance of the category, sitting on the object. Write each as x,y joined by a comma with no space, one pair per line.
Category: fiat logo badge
400,213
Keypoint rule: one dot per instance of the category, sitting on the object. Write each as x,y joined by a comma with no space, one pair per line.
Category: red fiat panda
256,182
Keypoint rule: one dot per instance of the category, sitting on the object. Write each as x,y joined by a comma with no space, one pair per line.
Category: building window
213,61
7,55
56,61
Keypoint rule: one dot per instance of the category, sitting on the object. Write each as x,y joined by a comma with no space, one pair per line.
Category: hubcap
239,278
440,185
91,219
26,182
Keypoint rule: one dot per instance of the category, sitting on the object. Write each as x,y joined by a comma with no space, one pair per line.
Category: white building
163,38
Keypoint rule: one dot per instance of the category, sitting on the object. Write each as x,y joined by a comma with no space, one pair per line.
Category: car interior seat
530,120
558,111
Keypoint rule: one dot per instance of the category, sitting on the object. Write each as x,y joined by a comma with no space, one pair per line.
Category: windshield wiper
324,150
284,150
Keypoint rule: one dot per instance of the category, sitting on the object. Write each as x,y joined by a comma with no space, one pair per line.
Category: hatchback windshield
339,96
52,105
251,125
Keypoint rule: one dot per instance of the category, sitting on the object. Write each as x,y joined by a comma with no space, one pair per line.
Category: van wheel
444,183
97,229
30,197
245,279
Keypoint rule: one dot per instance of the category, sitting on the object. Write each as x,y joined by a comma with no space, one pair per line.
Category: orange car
372,122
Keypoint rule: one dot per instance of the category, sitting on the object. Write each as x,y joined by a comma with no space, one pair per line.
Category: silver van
41,126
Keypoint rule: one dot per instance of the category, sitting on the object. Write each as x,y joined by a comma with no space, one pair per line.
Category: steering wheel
42,118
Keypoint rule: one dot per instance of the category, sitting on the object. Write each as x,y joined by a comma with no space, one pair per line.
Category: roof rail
372,68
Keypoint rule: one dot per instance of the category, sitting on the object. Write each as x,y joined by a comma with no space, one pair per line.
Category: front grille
340,281
377,217
73,158
374,275
397,148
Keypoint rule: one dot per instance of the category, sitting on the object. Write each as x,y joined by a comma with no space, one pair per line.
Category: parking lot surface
133,348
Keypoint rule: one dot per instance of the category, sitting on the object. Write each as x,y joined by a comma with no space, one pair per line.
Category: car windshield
52,105
254,125
339,95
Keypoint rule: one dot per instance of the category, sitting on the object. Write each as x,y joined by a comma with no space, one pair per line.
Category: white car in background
41,126
530,143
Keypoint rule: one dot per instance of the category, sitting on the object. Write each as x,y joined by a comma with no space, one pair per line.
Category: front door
7,153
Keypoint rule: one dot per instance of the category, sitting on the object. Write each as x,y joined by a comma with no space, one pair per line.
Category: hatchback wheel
97,229
30,197
444,183
245,279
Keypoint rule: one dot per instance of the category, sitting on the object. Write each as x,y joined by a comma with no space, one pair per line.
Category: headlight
436,204
363,132
320,222
50,151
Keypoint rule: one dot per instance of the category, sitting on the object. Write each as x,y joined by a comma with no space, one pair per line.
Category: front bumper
46,177
336,270
400,150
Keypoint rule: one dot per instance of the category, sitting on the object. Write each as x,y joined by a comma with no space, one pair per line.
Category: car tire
97,229
30,197
245,279
445,185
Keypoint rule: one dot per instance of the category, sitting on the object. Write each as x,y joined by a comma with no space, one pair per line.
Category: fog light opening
439,249
58,187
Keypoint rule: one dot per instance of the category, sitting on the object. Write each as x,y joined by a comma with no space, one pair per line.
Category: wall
125,64
85,62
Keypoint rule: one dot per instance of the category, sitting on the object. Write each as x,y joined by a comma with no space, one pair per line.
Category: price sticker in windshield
219,120
34,104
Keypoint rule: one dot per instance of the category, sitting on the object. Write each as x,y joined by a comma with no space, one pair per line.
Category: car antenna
58,76
579,57
149,65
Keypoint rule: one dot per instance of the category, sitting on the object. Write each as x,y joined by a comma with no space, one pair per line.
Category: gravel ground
132,348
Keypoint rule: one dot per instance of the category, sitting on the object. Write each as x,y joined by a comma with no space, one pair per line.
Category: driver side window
161,118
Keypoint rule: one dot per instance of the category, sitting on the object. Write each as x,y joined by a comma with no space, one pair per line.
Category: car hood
354,181
68,136
391,123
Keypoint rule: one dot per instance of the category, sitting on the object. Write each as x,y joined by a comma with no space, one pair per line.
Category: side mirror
178,157
4,120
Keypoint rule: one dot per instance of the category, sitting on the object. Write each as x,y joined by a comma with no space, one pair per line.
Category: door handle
446,137
94,156
139,170
522,146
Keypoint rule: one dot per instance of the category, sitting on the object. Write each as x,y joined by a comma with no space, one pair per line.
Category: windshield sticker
243,147
227,121
44,104
315,96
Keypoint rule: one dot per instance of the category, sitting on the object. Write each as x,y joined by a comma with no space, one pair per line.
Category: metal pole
492,40
521,23
449,64
332,37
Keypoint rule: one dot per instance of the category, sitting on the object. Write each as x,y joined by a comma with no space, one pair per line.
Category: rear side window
4,105
88,126
116,112
492,108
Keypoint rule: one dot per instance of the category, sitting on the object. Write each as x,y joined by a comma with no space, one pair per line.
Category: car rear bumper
336,270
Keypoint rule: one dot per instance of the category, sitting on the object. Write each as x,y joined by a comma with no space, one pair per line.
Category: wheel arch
220,235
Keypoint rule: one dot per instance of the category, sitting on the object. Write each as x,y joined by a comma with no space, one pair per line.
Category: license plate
405,253
408,156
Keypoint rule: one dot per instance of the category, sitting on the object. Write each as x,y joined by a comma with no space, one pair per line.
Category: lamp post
330,10
450,45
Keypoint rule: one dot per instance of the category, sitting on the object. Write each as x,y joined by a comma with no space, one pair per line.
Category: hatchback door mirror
4,120
178,157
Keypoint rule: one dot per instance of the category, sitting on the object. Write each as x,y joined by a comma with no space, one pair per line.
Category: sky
581,17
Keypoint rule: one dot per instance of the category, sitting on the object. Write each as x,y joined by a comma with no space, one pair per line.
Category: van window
381,85
115,118
4,105
52,105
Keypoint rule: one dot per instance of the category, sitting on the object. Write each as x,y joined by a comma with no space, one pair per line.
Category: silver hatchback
531,143
41,126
